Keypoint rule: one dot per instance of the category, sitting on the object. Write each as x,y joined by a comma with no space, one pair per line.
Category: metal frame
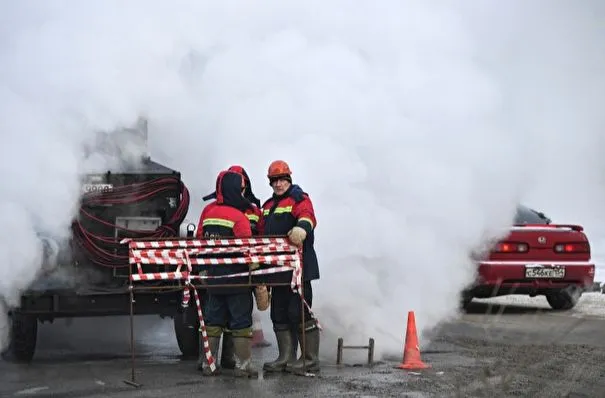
369,347
132,289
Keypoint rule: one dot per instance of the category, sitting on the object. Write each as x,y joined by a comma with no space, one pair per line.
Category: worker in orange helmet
290,212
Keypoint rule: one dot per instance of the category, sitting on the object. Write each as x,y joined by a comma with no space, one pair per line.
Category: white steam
411,125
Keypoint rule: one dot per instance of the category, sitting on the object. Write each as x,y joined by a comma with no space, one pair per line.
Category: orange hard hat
278,168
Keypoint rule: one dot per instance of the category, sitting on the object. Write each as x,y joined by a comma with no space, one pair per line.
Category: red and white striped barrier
276,252
190,243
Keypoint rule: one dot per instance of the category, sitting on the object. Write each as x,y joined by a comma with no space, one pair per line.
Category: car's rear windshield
525,215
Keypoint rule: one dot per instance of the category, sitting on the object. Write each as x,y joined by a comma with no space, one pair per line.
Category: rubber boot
227,355
285,345
201,354
242,347
311,352
202,362
294,337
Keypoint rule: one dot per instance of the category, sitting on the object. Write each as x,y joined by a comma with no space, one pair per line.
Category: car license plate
544,272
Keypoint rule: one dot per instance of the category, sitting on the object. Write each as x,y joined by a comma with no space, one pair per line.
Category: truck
89,274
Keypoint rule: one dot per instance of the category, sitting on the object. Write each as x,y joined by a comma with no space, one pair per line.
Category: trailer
88,276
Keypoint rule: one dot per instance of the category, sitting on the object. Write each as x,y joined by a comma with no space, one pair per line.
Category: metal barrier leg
132,380
303,325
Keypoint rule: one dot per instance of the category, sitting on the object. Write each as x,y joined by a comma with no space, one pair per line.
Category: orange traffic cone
258,337
411,350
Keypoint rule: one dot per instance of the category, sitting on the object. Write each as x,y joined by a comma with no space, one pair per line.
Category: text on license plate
544,272
96,188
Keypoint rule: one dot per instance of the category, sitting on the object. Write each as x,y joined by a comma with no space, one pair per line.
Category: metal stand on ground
369,347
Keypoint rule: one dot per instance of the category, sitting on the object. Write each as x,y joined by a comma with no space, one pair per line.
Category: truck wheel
186,329
564,299
23,335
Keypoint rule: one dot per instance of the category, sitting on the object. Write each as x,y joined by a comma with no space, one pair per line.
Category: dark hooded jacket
248,194
253,210
225,218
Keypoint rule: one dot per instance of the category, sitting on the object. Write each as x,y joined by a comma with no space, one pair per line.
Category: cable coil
103,249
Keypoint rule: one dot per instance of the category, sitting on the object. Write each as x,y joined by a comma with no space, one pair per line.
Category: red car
536,258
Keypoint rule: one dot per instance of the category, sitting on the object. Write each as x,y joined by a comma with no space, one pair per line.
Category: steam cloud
415,126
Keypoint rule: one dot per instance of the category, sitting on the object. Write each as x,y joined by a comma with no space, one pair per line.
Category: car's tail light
572,247
511,247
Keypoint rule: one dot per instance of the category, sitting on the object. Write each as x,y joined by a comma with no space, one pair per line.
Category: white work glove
297,235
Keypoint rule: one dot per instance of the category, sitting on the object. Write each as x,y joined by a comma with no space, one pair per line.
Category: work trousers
285,305
229,311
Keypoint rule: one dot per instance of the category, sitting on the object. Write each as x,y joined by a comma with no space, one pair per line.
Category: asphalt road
495,351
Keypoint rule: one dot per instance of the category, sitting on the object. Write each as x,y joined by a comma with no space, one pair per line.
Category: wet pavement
493,351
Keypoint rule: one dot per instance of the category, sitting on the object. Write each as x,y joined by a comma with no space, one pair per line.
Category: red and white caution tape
180,259
209,357
188,243
180,252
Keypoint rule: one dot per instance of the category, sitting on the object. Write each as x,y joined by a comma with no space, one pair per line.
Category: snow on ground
590,304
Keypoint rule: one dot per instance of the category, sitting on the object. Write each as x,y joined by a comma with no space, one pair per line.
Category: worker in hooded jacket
228,307
253,211
290,212
253,215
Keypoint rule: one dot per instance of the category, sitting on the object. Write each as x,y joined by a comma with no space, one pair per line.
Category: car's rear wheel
564,299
